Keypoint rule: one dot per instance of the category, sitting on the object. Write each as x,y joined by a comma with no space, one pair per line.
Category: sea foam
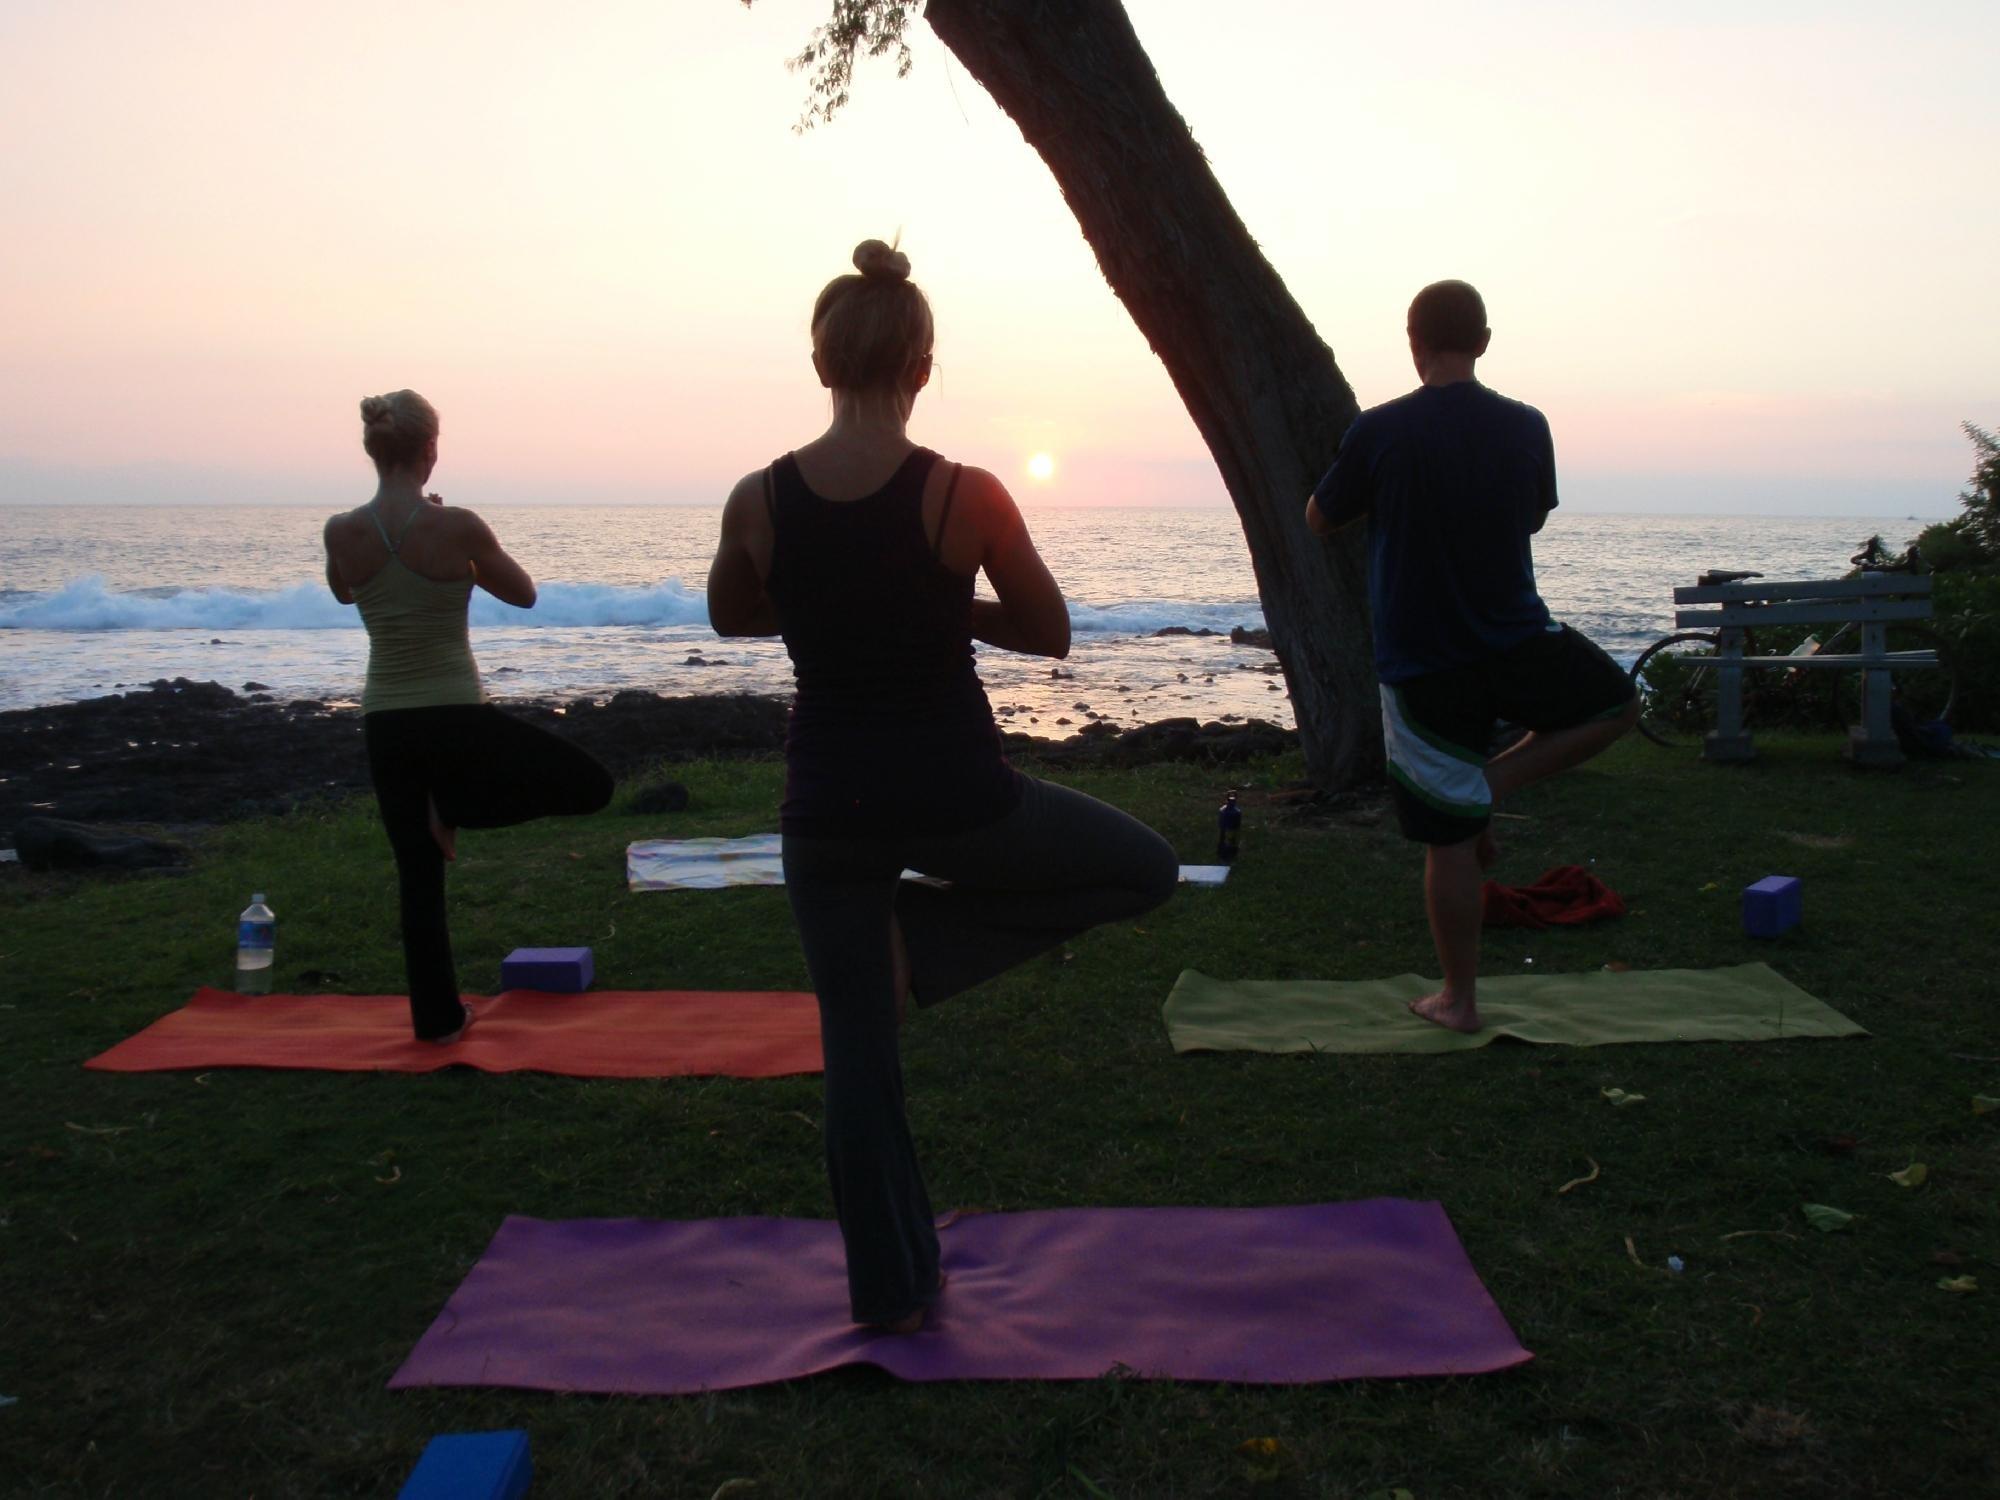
87,604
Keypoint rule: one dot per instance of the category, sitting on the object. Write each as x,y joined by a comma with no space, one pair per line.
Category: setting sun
1041,466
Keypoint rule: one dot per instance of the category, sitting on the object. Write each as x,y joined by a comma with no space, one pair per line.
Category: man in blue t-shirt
1453,479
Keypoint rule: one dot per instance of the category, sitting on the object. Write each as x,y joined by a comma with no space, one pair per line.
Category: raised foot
1487,850
445,835
1442,1010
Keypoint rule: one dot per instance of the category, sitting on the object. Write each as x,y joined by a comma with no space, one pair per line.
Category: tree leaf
1911,1176
1826,1218
1958,1283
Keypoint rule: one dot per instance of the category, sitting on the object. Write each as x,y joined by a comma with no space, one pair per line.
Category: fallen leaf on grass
730,1487
1632,1250
1619,1098
1818,840
1713,885
1266,1457
1984,1104
395,1175
1826,1218
1776,1234
1618,966
1911,1176
1958,1283
95,1129
1595,1172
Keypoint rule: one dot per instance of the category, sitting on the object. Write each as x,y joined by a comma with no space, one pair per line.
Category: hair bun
377,411
874,259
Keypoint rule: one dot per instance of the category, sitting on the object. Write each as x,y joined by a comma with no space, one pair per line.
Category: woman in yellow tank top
441,757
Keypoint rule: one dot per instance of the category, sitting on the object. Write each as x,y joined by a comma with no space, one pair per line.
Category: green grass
206,1280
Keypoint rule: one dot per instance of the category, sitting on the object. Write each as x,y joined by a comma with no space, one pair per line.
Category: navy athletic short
1436,727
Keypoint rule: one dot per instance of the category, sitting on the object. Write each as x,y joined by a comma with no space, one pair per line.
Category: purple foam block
471,1466
564,971
1773,905
1266,1296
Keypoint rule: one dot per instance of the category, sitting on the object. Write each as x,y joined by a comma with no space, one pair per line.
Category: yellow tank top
419,652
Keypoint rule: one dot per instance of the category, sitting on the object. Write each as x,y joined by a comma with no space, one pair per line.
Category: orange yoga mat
601,1034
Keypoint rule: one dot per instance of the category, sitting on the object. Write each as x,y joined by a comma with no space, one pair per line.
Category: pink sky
1739,257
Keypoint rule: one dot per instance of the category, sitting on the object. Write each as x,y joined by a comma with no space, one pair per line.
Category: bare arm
492,569
333,579
1321,525
737,601
1030,615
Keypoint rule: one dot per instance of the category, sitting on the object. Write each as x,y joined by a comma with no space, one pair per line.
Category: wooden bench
1872,600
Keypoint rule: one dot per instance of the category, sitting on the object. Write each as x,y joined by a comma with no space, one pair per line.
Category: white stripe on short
1450,778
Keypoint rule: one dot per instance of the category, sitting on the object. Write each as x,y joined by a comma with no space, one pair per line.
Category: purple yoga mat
1264,1296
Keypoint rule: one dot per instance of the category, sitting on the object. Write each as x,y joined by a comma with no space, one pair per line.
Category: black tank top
891,731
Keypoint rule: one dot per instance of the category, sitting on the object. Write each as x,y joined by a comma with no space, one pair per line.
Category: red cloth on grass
1563,897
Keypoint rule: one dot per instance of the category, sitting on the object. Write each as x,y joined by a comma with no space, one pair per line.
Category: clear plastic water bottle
256,937
1228,831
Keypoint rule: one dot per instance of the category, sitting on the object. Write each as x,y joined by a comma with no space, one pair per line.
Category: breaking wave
86,604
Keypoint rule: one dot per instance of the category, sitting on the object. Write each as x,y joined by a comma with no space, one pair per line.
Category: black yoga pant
483,770
1059,863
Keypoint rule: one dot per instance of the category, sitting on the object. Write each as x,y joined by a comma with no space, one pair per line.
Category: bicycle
1677,679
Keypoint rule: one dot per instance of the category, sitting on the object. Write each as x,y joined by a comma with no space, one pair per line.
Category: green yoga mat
1746,1003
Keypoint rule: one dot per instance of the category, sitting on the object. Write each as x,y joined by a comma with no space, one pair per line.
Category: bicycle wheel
1676,681
1929,693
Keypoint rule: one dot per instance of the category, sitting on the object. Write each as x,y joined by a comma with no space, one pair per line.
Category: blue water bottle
1229,830
256,940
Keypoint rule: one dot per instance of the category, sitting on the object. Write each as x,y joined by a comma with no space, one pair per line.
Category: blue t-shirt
1453,479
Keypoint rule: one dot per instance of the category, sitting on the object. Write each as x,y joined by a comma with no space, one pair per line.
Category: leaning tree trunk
1260,384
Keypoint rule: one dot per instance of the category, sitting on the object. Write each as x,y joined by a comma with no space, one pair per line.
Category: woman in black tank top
861,549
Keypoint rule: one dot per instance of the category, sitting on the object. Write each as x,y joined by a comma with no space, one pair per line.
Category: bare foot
443,832
1442,1010
1487,851
464,1026
911,1322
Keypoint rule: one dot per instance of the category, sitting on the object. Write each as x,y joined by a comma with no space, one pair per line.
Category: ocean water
94,599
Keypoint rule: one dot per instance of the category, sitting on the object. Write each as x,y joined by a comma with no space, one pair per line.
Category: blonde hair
397,428
869,329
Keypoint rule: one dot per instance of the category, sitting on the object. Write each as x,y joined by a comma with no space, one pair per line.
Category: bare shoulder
344,527
986,502
746,505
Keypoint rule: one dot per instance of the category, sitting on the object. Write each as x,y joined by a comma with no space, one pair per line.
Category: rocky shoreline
182,753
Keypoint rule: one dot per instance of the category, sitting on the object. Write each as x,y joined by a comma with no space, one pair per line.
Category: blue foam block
1773,905
567,971
471,1466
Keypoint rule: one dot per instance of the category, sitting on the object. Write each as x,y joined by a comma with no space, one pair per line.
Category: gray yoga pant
1059,863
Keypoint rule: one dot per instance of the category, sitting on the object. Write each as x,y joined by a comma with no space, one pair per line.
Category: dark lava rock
1238,636
53,844
255,687
1184,630
662,797
184,752
1213,743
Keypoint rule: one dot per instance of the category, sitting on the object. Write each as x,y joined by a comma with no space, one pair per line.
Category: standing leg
843,892
395,763
1058,864
1453,877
